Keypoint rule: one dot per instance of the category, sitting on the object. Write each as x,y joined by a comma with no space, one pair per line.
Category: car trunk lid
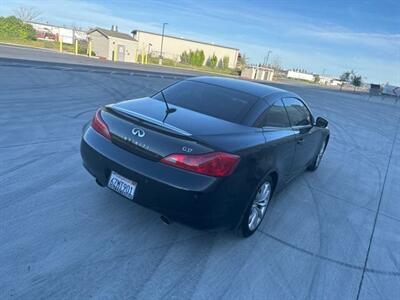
141,126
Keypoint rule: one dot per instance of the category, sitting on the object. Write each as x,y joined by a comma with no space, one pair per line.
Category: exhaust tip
165,220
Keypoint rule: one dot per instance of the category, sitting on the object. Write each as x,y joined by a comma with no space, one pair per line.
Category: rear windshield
209,99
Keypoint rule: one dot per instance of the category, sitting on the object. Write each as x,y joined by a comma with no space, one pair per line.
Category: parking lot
331,234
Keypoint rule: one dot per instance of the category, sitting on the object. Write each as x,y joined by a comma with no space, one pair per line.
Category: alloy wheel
259,206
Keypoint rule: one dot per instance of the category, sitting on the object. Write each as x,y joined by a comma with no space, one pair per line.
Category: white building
301,76
391,90
325,80
174,46
336,82
258,73
54,32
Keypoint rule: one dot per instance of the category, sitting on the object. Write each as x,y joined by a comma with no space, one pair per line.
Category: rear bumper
199,201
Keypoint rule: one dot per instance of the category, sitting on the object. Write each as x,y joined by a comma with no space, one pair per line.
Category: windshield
209,99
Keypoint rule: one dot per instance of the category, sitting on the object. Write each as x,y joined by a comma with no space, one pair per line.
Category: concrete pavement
332,234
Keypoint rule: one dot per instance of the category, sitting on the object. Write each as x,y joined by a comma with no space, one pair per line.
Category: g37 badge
187,149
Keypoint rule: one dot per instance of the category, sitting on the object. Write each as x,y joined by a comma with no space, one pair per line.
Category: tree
242,61
15,28
27,13
345,77
356,81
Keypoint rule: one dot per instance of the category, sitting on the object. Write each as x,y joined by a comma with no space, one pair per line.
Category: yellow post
76,47
145,58
142,56
90,48
61,43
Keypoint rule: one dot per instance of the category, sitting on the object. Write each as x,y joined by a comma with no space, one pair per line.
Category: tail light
213,164
100,126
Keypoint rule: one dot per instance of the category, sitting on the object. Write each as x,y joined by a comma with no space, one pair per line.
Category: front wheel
258,207
318,158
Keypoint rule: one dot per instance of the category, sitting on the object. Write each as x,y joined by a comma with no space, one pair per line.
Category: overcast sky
328,38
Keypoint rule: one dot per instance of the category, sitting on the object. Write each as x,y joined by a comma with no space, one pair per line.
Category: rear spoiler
143,118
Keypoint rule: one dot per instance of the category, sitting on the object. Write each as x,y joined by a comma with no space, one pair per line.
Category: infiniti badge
139,132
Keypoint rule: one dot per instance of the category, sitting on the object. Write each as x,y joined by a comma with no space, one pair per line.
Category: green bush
12,27
185,57
212,61
168,62
225,62
82,47
194,58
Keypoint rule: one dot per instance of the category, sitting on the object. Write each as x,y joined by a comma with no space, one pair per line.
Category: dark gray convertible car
206,151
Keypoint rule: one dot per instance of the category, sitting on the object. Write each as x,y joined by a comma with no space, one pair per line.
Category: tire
317,160
257,208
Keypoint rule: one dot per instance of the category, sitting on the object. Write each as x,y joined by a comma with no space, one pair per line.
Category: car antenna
168,109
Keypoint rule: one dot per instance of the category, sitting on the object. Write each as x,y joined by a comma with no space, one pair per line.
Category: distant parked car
46,35
206,151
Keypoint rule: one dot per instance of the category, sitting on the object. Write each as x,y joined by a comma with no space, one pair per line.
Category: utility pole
162,42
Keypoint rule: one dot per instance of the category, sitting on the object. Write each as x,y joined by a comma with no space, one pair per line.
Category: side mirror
321,122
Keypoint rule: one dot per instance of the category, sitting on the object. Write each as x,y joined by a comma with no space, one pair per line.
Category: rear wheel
318,158
258,207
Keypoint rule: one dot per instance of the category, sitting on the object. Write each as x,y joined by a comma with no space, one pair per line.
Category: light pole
162,42
267,58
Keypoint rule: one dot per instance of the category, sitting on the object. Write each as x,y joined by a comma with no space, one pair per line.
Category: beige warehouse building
173,47
113,45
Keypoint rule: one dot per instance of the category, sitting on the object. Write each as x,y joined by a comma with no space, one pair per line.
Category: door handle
300,141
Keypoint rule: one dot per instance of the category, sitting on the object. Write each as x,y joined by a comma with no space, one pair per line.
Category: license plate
122,185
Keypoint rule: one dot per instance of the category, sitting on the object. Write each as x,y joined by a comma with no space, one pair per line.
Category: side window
274,116
299,114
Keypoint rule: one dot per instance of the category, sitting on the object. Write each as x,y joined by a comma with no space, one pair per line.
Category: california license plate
122,185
